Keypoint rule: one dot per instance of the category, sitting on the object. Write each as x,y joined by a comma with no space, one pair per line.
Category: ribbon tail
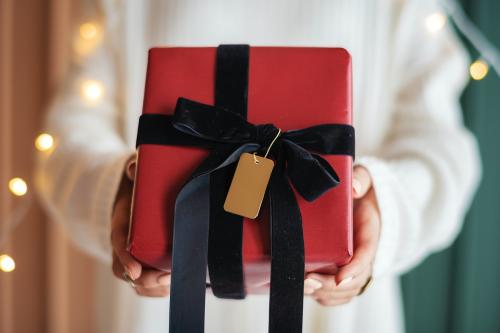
189,260
287,256
225,259
190,243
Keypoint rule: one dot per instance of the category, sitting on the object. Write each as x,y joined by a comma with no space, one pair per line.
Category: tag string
272,142
268,148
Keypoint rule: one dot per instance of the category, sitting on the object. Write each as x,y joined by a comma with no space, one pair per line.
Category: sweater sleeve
428,168
78,180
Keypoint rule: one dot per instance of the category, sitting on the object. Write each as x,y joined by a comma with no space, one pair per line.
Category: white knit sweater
410,136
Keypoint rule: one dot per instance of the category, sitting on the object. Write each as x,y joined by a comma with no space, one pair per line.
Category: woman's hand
339,289
151,283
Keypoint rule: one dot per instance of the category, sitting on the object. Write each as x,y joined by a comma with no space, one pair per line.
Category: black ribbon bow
222,130
227,134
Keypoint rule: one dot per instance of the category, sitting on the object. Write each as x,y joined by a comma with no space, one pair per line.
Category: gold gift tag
248,185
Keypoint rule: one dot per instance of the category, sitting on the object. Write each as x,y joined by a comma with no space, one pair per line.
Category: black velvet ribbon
225,263
227,135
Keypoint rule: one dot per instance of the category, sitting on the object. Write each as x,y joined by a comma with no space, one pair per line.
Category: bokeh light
89,30
7,264
478,69
18,186
44,142
435,22
88,38
92,90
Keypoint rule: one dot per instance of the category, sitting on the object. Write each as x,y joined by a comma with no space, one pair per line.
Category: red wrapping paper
291,87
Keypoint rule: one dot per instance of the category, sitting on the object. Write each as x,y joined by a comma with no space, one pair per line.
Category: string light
7,264
18,186
92,90
490,54
44,142
435,22
479,69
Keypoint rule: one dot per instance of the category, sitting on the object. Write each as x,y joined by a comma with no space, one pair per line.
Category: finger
117,267
333,302
153,279
336,294
366,229
365,241
311,284
131,266
359,263
361,181
119,235
153,292
349,288
364,251
315,281
354,284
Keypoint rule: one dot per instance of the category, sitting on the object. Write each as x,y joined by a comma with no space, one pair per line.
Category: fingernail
134,274
164,279
308,291
312,284
345,281
127,271
356,186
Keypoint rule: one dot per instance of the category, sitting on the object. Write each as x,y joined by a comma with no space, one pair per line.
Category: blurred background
45,282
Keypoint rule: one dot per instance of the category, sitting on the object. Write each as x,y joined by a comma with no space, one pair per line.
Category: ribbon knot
266,133
232,135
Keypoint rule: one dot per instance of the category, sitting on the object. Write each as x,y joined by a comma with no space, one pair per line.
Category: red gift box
291,87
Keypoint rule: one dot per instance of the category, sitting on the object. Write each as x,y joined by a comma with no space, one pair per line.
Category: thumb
130,167
361,181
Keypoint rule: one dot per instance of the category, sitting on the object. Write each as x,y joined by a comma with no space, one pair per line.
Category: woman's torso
364,28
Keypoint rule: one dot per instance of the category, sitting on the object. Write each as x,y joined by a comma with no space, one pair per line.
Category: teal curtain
458,290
